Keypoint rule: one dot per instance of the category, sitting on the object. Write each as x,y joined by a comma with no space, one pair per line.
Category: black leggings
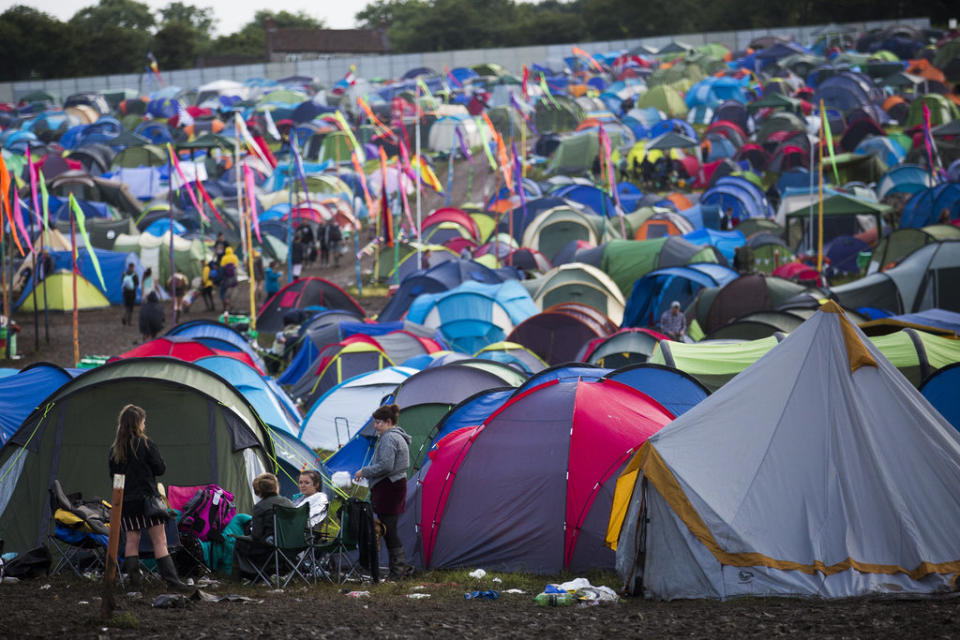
391,537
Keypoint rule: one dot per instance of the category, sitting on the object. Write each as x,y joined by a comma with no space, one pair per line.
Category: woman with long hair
387,474
135,456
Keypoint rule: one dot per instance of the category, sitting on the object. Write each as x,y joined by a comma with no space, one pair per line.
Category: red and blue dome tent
188,350
531,488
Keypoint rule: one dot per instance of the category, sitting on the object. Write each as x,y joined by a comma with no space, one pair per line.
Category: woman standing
135,455
387,474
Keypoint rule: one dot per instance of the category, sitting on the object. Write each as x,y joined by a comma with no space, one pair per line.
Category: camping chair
335,552
288,547
80,532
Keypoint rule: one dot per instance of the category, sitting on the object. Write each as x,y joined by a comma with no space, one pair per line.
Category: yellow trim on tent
660,476
857,353
621,500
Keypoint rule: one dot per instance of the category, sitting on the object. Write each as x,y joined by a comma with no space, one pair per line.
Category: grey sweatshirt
391,458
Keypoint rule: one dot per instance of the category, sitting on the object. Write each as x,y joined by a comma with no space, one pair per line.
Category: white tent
819,470
443,133
343,410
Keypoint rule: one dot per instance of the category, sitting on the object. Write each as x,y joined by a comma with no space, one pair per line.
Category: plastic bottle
555,599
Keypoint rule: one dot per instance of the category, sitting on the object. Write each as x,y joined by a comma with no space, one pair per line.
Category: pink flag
186,185
33,188
251,200
19,220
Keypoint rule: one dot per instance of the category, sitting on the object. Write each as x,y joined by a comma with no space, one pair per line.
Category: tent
429,394
940,390
154,252
339,413
715,307
553,229
206,328
626,261
621,348
317,332
207,431
925,279
899,244
309,293
473,315
581,283
22,392
800,427
714,363
516,355
653,293
59,294
336,363
189,350
530,489
676,391
557,333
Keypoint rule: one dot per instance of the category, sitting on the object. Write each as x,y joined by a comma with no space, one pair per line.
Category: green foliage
25,51
125,14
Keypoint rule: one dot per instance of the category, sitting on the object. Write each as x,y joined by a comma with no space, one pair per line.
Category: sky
231,15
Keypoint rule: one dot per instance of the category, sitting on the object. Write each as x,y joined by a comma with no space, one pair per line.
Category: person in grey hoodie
387,475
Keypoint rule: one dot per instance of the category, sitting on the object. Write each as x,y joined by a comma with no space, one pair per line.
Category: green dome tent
205,429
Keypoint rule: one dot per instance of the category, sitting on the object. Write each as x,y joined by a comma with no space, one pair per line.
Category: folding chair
335,552
80,534
288,547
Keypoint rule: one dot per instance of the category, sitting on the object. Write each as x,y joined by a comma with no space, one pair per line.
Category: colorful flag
252,200
464,149
485,137
271,125
18,217
577,51
353,141
452,77
45,197
81,226
386,219
184,119
829,143
186,185
523,84
351,78
363,181
33,188
374,120
155,68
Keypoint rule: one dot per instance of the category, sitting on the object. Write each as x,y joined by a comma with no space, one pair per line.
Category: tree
125,14
26,51
200,19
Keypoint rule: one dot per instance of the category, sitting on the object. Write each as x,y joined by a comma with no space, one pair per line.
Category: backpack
216,275
129,282
207,513
230,273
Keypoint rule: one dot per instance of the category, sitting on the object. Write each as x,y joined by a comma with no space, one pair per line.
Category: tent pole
36,251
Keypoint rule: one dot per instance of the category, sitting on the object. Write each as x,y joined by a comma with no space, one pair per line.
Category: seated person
254,549
310,485
673,323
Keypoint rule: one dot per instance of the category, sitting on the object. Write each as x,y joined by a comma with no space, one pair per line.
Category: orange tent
924,69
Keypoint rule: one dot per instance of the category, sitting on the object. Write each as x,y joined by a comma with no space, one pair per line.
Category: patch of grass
124,620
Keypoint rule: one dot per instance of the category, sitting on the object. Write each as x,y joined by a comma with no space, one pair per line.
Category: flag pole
76,309
820,196
419,169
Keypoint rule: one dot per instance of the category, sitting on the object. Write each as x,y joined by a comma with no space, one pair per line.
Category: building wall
331,69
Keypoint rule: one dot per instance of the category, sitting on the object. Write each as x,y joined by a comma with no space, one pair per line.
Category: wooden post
113,544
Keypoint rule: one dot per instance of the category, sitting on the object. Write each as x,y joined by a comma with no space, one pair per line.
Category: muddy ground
69,607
